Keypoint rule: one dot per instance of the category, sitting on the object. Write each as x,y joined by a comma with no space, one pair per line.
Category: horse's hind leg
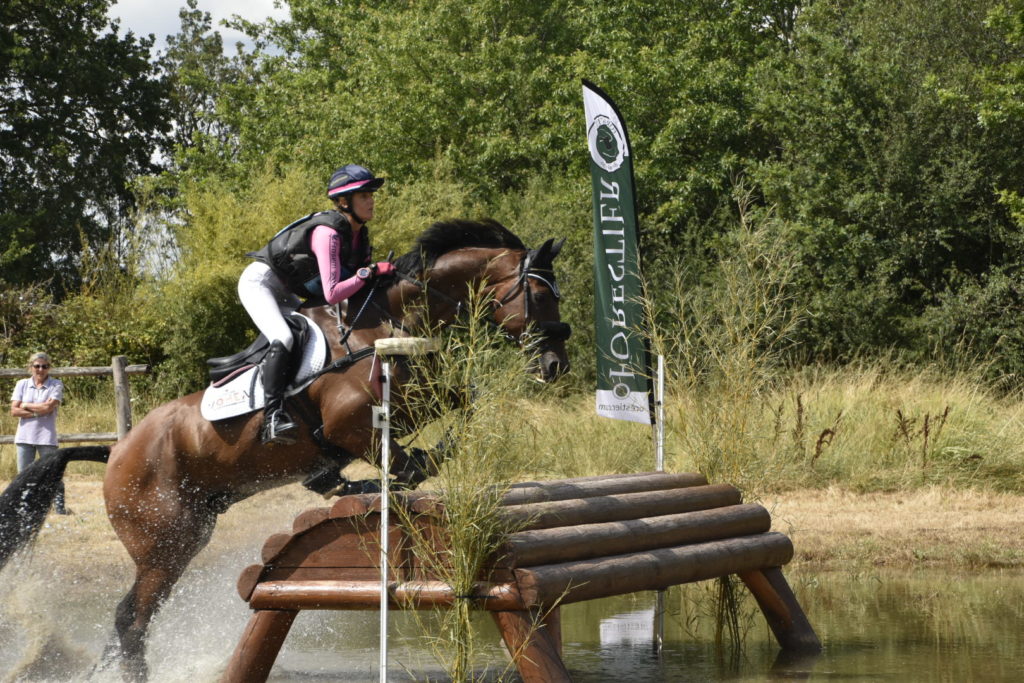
155,576
134,614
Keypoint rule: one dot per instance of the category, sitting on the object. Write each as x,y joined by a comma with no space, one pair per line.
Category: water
875,626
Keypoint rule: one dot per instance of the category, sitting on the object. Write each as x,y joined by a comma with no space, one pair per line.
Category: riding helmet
352,178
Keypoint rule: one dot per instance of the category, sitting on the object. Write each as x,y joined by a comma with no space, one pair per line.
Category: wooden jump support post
581,539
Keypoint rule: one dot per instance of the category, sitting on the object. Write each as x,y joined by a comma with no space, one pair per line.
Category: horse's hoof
351,488
326,481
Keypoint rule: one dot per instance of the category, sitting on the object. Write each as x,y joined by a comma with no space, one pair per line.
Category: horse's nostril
555,368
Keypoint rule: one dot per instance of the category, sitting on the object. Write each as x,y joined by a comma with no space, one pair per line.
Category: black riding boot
277,423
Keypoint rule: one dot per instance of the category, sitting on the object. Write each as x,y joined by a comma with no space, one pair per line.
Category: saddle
236,387
223,368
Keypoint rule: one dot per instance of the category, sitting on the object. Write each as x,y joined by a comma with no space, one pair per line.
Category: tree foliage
878,140
81,112
197,72
884,165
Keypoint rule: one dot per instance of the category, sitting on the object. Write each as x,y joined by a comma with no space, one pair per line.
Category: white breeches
267,301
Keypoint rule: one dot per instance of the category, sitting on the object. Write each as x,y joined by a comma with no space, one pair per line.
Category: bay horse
175,472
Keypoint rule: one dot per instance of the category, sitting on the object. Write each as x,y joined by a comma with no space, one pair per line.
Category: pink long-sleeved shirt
326,245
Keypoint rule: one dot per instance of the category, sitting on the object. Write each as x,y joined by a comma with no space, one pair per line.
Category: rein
345,334
351,357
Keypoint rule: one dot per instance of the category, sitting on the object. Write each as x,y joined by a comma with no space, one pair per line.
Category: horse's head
526,304
520,282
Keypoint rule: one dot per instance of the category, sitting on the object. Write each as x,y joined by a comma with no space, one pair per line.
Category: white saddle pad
244,393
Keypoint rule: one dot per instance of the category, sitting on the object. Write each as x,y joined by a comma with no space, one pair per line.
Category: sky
160,17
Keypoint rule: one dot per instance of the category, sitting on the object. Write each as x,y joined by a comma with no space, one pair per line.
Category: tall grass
867,426
489,449
725,344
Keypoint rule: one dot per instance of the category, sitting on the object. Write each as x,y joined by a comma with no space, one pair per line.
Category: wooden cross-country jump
580,539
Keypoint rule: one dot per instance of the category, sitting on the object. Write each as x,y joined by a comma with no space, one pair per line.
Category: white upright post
659,465
385,348
385,467
659,416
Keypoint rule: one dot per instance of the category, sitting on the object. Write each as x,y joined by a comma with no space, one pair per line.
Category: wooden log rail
578,539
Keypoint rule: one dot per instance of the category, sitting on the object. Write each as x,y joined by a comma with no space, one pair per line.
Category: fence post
122,395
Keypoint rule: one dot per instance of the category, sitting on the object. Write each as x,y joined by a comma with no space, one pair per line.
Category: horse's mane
445,236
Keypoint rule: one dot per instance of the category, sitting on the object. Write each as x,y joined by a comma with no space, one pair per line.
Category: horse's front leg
411,466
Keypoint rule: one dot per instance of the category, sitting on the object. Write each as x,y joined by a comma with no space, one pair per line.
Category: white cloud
160,17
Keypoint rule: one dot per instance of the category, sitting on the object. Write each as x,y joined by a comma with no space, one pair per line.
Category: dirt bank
835,529
830,529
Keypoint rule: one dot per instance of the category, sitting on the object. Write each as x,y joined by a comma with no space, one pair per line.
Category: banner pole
624,382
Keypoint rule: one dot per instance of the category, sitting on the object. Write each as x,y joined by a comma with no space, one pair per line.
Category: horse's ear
545,255
557,247
542,256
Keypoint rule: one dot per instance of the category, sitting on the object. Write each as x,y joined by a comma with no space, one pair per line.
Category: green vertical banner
624,383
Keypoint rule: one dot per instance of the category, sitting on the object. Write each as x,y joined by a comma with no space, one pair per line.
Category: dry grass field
931,527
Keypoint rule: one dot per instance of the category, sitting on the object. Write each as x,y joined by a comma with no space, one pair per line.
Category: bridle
550,330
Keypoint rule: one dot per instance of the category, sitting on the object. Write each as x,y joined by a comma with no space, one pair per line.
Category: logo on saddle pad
243,392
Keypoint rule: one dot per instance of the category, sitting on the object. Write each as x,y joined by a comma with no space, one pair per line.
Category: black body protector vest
290,255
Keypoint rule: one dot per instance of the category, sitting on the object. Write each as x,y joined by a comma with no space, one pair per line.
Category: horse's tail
24,504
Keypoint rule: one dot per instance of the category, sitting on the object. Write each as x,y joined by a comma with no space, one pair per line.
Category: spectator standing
35,402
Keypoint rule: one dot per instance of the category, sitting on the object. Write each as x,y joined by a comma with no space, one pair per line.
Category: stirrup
278,428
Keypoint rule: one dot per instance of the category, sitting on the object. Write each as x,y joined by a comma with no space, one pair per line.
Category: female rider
324,257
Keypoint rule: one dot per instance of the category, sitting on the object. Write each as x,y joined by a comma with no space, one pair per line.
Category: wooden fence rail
120,370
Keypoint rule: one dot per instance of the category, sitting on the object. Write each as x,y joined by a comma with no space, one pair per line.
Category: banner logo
607,144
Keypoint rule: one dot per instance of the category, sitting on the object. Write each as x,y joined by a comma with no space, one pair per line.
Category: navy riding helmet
352,178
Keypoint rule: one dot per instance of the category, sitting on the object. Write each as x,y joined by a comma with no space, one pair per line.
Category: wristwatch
364,273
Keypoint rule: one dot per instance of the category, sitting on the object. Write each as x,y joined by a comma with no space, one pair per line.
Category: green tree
81,113
493,89
880,138
883,166
198,72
